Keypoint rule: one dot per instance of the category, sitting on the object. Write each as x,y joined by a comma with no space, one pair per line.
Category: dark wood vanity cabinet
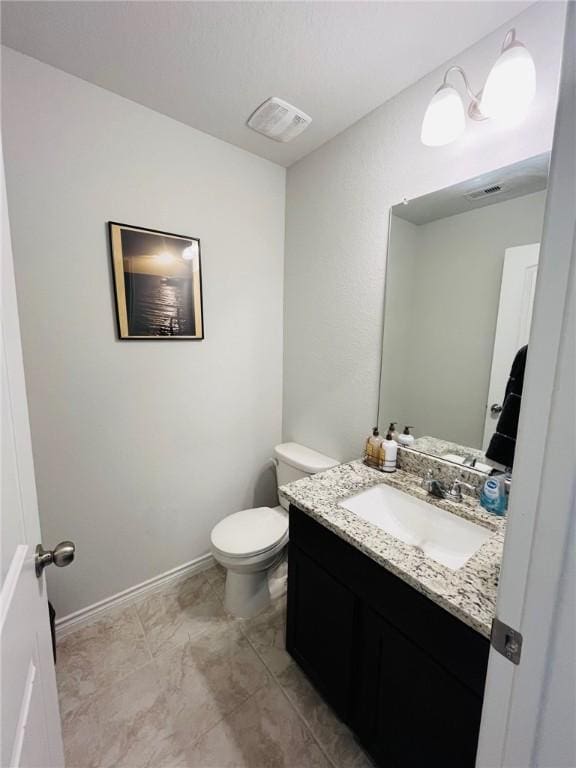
322,629
403,673
410,710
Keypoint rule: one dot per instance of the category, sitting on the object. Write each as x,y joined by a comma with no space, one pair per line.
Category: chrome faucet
427,481
433,486
437,489
455,493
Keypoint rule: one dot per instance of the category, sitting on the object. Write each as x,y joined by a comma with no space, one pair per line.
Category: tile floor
174,682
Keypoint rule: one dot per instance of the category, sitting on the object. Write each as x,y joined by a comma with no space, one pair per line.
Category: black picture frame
157,279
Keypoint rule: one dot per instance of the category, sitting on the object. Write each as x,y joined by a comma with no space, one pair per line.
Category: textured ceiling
210,64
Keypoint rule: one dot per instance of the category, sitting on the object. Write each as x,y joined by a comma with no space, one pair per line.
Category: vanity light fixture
506,96
511,84
444,120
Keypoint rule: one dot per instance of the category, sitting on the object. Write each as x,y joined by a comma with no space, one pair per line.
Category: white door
530,709
513,324
30,719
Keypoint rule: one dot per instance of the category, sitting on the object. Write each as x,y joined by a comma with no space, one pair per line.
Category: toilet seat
251,532
230,560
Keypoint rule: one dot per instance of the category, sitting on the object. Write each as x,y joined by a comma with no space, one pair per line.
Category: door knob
495,409
61,555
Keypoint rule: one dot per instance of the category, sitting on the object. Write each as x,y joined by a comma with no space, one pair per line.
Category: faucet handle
427,481
455,493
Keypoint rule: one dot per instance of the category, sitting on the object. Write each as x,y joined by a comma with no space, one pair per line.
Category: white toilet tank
295,461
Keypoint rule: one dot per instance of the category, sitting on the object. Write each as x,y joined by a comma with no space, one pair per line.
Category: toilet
250,543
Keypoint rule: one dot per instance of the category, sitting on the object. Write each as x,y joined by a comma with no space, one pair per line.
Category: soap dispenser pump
406,439
392,431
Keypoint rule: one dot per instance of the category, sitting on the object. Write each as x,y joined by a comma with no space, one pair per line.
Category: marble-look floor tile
182,611
265,732
208,678
216,574
98,655
81,736
207,696
135,723
267,633
335,738
217,577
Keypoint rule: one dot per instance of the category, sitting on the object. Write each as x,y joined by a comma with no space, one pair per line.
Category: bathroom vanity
391,592
396,643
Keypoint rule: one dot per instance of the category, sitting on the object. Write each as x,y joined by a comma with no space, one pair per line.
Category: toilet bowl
250,543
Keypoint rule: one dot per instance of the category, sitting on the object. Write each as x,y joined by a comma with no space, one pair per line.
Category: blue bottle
493,496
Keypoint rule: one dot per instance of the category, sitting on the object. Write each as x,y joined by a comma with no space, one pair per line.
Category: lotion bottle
389,452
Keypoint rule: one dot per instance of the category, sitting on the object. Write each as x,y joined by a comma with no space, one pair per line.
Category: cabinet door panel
455,646
410,711
320,628
328,550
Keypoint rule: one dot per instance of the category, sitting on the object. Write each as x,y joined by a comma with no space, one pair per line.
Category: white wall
338,200
448,304
139,447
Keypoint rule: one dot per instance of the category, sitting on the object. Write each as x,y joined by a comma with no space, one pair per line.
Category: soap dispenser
493,495
372,449
406,439
388,454
392,431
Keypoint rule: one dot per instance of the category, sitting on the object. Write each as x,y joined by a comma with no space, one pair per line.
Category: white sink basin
445,538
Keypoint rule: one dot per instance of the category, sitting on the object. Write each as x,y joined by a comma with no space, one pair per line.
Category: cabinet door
410,711
320,628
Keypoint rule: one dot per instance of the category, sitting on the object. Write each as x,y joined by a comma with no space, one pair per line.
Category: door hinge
506,640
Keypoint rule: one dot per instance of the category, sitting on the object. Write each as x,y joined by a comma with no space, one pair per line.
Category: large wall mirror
461,272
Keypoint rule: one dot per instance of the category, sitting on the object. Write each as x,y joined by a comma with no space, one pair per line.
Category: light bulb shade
444,120
510,86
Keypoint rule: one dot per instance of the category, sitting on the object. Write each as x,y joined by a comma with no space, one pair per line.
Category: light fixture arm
456,68
474,107
509,40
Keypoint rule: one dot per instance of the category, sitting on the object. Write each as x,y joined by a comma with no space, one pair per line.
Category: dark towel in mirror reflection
503,443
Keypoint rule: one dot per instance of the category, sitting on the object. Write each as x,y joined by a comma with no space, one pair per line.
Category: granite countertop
469,593
437,447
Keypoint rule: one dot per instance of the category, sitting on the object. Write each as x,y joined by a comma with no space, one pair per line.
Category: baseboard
75,620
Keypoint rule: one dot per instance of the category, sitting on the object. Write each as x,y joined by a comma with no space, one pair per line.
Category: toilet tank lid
305,459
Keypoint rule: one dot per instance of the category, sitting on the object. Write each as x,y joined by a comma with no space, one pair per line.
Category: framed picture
158,283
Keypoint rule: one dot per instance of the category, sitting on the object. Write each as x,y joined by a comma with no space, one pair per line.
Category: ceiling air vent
279,120
493,190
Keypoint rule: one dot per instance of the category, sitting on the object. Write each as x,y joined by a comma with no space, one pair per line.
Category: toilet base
278,577
246,594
